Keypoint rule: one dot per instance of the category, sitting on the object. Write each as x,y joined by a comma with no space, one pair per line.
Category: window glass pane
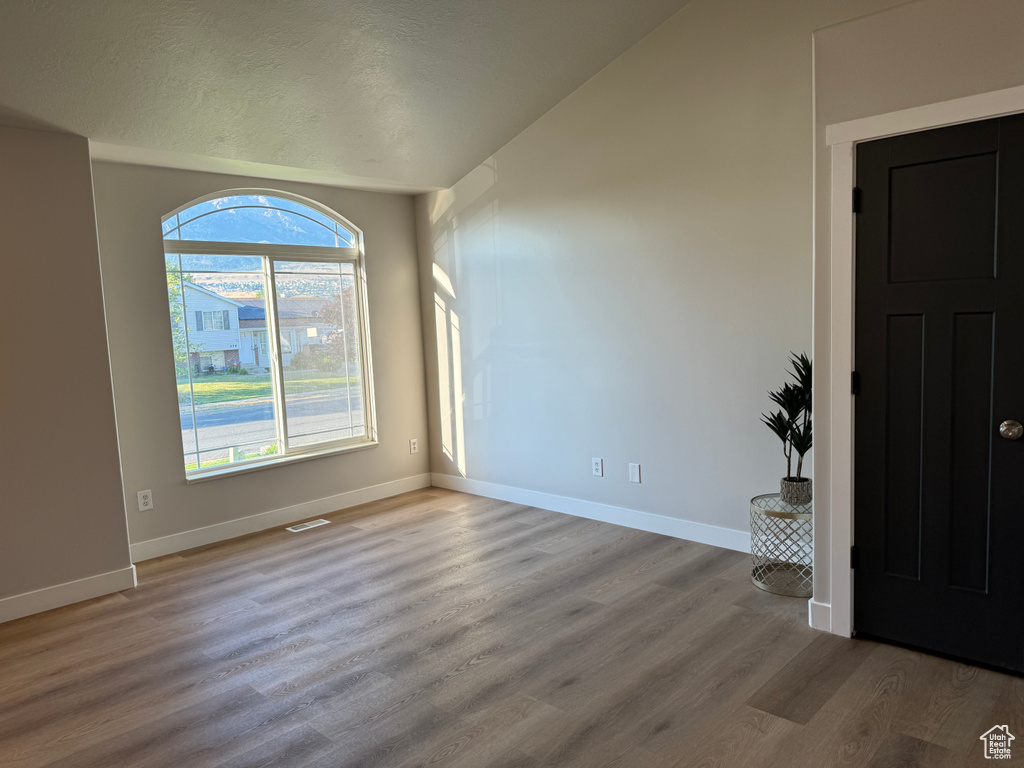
355,373
257,219
323,372
225,395
170,228
233,286
346,238
181,365
322,267
191,262
261,225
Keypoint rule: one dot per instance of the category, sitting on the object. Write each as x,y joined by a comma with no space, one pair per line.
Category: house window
214,321
248,274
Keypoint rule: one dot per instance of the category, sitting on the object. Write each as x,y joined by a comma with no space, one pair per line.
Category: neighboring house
234,331
254,351
212,322
300,329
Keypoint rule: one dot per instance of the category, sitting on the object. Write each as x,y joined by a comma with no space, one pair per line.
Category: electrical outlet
414,445
598,467
634,473
145,500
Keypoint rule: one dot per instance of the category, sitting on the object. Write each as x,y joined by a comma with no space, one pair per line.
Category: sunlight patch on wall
444,386
460,431
443,280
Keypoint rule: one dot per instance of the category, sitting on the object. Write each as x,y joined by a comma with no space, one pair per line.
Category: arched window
267,296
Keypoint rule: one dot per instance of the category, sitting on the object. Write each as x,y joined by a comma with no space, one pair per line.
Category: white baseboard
198,537
819,615
729,538
59,595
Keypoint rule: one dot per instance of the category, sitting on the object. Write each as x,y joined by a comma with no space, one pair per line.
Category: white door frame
843,139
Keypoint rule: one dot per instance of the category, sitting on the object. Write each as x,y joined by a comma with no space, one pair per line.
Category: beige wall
916,54
632,271
130,201
61,511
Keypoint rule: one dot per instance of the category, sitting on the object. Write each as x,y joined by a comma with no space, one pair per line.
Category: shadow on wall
475,218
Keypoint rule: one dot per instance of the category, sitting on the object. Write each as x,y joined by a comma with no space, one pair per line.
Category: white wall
632,271
130,201
916,54
62,515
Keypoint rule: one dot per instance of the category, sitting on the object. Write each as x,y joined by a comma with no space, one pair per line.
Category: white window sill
200,476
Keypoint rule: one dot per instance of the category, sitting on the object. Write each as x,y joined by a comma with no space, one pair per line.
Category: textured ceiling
414,93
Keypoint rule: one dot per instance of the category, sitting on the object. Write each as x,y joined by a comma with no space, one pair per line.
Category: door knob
1011,430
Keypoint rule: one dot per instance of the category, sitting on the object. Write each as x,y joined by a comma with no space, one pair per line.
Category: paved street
234,424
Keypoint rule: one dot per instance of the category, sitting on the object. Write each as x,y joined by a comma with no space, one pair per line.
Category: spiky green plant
792,422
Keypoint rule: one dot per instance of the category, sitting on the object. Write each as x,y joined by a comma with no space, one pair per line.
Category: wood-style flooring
441,629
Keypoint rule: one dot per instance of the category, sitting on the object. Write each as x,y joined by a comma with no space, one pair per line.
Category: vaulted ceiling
403,94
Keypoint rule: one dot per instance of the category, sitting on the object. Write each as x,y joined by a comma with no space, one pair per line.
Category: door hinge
856,199
854,383
854,558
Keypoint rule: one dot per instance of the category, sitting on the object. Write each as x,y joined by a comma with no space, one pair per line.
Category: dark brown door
939,516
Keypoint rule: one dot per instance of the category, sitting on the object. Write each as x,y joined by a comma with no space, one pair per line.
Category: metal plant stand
781,546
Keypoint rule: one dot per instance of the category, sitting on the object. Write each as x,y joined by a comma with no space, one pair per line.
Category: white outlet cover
145,500
414,445
597,467
634,473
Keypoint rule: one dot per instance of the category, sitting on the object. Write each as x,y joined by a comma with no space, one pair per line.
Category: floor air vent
307,526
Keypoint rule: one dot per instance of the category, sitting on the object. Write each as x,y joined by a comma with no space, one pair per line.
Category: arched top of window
244,216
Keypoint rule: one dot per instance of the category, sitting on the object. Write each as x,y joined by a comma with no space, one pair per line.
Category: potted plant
792,425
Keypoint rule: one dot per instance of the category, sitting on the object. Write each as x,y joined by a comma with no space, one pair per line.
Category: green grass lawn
223,388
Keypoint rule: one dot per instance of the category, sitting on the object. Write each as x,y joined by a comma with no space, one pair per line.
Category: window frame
269,253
